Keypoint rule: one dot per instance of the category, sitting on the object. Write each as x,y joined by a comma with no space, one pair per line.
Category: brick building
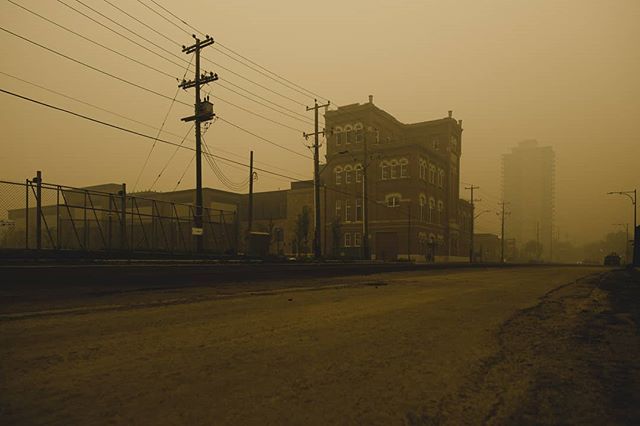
413,178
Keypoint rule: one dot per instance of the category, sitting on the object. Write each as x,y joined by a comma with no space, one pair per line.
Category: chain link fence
42,216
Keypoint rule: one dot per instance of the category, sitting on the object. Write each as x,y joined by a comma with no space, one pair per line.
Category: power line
125,28
141,23
162,72
146,89
90,66
170,158
224,68
164,121
303,119
258,115
133,132
263,138
90,40
166,74
123,116
309,93
184,172
121,35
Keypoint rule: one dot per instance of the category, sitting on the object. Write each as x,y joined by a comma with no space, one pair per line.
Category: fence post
26,215
38,180
58,245
123,217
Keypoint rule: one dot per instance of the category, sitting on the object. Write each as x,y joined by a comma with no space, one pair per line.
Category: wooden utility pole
250,213
317,246
502,232
203,112
473,209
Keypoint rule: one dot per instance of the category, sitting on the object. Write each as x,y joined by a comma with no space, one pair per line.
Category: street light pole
635,261
626,241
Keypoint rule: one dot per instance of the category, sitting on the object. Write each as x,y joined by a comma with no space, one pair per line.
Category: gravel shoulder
571,359
519,346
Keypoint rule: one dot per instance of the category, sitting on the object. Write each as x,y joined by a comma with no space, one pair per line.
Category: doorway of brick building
387,246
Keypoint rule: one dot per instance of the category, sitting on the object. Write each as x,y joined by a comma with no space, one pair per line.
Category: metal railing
42,216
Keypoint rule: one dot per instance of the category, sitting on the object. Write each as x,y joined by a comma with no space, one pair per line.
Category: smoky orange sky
563,72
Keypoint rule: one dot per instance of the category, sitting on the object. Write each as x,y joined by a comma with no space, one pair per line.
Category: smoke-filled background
562,72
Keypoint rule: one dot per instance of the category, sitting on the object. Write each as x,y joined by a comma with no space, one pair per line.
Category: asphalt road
439,347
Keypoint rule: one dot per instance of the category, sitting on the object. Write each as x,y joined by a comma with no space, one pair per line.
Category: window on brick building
358,172
358,209
432,174
339,135
338,172
441,178
432,206
347,210
423,207
347,239
347,174
357,239
349,134
393,200
404,168
394,169
440,212
338,208
384,170
359,133
423,169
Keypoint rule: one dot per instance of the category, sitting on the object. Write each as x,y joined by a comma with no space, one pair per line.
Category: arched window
432,173
394,169
440,212
358,172
347,174
441,178
384,170
339,134
393,200
404,167
338,172
432,206
359,133
423,207
423,169
349,134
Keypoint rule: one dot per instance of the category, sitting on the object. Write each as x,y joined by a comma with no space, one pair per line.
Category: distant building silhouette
528,180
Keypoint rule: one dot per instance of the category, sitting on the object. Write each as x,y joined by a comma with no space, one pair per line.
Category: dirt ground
496,346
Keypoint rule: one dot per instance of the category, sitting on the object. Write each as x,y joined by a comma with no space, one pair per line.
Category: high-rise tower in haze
528,178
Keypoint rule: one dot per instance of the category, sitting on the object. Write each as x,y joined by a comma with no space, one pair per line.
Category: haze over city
342,212
561,72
